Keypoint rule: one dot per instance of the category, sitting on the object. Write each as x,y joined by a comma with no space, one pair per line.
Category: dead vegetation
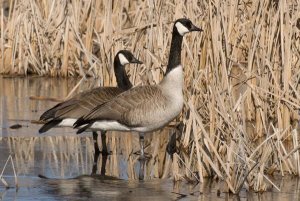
242,74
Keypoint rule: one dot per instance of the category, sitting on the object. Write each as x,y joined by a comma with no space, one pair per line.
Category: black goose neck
122,78
175,50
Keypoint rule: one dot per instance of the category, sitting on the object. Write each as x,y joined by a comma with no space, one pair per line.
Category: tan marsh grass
242,74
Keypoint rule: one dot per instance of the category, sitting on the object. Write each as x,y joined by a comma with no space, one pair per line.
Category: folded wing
131,108
81,103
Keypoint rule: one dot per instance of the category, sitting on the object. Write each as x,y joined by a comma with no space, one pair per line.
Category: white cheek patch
123,59
181,28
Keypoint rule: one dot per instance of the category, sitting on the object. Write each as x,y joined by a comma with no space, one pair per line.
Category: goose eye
189,25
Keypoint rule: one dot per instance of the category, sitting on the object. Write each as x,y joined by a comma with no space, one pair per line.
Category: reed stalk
241,74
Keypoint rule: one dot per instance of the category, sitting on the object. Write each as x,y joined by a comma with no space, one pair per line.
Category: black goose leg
96,153
104,146
95,139
103,165
142,158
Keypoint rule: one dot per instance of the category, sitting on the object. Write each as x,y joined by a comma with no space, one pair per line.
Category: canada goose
67,112
145,108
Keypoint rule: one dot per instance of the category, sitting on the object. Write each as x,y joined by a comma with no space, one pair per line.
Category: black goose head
126,57
184,25
180,28
122,58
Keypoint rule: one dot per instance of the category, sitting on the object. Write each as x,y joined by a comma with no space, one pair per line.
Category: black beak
134,60
194,28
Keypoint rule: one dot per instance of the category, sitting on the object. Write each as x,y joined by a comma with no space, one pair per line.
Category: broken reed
241,74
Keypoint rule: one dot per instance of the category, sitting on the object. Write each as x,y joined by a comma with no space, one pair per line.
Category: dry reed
242,73
4,182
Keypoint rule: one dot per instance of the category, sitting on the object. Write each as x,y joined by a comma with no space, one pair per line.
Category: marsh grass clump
242,75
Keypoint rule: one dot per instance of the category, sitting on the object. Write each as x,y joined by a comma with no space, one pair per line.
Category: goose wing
129,108
81,103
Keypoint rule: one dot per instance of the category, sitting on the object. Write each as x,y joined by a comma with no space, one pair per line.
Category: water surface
60,164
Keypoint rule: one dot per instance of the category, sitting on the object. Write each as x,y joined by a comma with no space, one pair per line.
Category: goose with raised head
145,108
64,114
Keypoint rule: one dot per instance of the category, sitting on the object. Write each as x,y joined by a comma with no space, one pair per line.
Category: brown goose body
67,112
